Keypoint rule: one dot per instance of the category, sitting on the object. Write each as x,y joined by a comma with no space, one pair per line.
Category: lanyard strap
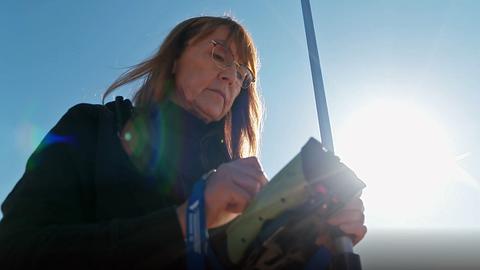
197,234
198,249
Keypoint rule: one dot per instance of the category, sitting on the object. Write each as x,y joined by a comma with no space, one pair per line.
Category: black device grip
346,261
318,163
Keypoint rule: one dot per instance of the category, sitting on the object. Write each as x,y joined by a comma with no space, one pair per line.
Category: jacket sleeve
46,226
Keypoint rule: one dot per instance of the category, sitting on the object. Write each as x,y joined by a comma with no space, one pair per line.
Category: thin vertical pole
342,243
320,99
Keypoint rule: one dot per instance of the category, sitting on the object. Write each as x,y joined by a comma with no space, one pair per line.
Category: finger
263,179
354,204
238,201
252,161
251,186
246,166
356,230
245,173
255,167
347,216
256,176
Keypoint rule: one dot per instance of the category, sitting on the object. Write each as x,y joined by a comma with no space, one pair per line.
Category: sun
404,156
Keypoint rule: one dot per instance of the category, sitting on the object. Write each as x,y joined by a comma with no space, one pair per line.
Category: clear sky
400,77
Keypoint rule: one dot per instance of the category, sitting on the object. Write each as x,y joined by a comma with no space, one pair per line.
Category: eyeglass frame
249,72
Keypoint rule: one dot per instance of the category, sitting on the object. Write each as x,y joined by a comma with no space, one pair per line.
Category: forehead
221,34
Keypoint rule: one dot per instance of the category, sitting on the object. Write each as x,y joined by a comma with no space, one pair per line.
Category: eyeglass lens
224,58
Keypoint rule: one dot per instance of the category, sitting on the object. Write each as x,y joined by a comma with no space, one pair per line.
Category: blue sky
399,76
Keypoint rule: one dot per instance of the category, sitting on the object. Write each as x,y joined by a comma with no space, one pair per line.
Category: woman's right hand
230,189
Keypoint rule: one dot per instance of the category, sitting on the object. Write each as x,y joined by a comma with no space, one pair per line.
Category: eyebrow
223,43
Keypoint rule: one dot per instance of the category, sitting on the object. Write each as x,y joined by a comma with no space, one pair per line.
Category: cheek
191,85
229,104
191,81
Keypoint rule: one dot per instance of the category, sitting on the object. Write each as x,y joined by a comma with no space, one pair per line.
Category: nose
228,74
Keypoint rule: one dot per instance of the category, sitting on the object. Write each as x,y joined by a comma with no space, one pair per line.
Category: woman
108,186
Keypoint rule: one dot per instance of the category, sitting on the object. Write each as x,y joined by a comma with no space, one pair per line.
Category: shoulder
71,139
119,109
81,123
85,110
85,121
78,117
75,129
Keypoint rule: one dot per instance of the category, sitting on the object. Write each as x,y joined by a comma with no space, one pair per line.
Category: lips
221,93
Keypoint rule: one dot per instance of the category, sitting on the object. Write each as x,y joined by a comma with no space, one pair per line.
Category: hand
231,188
350,220
228,191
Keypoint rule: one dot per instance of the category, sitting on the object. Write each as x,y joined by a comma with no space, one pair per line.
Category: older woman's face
202,87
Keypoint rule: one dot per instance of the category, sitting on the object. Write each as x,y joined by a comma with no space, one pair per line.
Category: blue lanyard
197,234
198,249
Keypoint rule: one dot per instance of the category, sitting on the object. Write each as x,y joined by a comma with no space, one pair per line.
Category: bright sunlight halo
403,155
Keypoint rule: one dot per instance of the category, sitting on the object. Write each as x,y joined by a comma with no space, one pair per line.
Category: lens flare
404,156
28,137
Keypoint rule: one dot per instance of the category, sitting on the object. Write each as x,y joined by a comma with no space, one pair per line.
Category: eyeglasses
223,58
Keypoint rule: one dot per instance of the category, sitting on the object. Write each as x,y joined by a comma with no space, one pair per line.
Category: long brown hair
243,122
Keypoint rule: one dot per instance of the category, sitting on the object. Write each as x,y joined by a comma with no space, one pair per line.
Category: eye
218,57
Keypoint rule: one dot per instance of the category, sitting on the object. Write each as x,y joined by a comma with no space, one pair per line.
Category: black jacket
83,204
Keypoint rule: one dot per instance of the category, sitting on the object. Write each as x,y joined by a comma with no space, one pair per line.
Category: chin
209,116
206,118
209,120
208,112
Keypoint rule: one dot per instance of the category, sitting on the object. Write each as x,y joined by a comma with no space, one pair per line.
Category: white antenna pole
320,99
343,244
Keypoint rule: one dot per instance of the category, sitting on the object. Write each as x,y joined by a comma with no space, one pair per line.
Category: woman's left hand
350,220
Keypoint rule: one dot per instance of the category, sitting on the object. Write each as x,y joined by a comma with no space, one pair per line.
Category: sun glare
403,155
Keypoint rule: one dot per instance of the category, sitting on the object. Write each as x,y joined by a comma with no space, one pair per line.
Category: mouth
218,92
